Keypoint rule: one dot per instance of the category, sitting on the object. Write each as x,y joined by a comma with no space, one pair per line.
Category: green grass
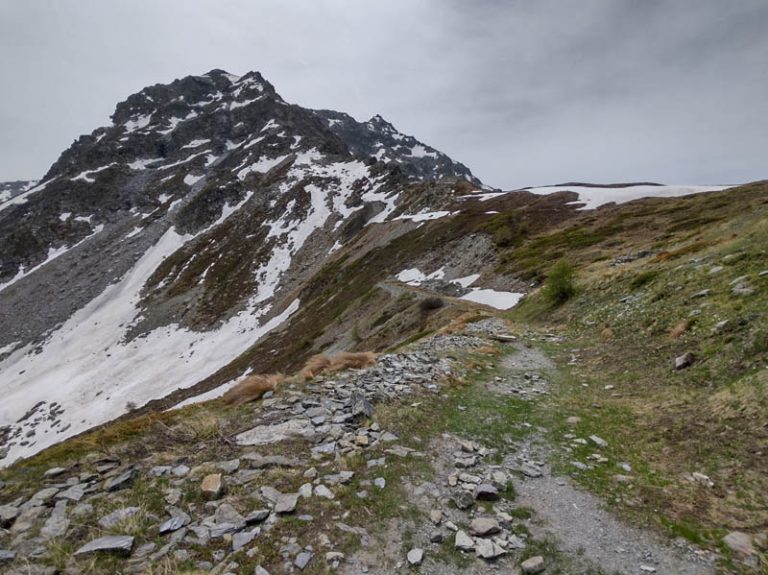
712,417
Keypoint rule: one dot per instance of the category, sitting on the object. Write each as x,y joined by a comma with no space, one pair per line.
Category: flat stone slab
484,526
274,433
258,461
286,503
114,518
120,544
464,541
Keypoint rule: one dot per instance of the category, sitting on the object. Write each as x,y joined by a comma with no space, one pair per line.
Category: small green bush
560,285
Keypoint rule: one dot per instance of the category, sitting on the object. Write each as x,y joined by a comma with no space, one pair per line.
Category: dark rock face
195,145
378,139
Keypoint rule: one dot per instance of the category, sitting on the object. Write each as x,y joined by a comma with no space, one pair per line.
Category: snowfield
594,197
103,372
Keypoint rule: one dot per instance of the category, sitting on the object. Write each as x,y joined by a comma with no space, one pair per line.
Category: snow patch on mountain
23,198
196,143
104,371
493,298
593,197
262,165
53,253
86,176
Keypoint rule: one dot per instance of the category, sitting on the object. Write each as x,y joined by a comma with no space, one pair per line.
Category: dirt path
491,442
575,519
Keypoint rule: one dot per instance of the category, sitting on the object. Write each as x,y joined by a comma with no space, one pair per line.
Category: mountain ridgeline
156,251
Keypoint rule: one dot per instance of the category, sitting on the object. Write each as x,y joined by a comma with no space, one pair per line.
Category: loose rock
415,556
119,544
533,565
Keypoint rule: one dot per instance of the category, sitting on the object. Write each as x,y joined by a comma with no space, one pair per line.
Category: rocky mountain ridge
187,228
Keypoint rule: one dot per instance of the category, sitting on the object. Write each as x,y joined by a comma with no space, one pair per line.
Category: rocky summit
244,336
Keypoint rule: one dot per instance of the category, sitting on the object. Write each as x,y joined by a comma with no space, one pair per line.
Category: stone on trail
599,441
486,492
463,541
7,556
436,516
268,434
74,493
258,461
120,481
57,524
322,491
436,536
42,497
487,549
415,556
361,406
683,361
463,500
303,559
229,466
739,542
257,516
211,485
240,540
484,526
118,515
533,565
225,513
305,491
286,503
530,470
174,523
119,544
54,472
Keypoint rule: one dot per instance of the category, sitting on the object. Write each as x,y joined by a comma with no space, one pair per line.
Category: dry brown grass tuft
315,365
203,426
680,328
606,334
694,247
352,360
458,324
320,363
252,388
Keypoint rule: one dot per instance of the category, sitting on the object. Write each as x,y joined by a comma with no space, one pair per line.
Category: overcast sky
523,92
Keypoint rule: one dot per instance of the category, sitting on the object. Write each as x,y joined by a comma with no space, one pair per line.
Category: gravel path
575,519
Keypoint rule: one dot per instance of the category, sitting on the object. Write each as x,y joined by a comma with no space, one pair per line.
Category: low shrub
560,283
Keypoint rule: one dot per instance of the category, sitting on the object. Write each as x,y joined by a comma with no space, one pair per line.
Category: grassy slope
711,418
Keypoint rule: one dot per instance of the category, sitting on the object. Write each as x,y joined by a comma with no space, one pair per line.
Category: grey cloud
522,92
